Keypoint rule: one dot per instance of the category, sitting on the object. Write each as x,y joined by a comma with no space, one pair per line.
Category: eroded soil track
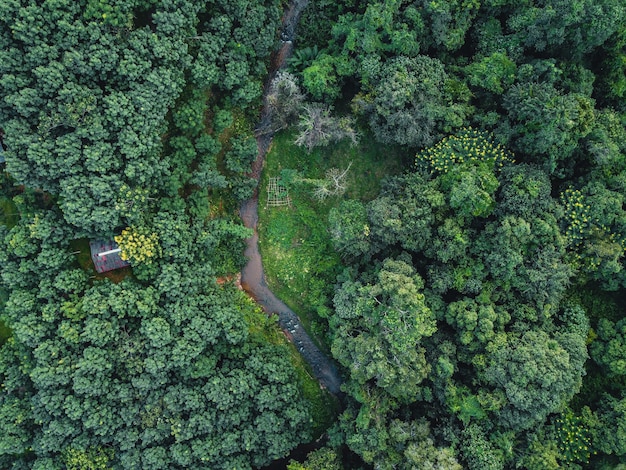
253,282
252,275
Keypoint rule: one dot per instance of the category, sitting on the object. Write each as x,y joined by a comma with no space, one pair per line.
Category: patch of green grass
8,211
371,162
299,261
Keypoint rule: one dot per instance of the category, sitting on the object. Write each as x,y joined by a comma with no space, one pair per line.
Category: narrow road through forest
252,275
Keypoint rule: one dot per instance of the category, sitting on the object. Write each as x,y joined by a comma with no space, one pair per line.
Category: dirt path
252,275
253,282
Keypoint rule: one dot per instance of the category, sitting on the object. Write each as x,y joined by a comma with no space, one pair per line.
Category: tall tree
405,102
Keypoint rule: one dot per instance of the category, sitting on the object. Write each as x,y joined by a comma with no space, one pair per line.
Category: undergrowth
324,406
299,261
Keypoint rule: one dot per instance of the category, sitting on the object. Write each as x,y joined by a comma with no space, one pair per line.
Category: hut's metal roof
107,262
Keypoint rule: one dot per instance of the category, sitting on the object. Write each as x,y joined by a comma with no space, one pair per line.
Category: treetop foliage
473,145
478,314
506,253
113,122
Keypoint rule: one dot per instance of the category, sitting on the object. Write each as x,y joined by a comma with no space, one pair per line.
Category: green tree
611,74
449,22
478,451
379,328
544,124
476,325
609,350
405,212
570,29
89,459
471,190
539,375
16,417
525,190
321,79
598,243
405,102
324,458
387,442
493,73
350,231
611,433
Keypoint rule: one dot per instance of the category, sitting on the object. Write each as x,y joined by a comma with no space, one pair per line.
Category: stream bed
252,275
253,282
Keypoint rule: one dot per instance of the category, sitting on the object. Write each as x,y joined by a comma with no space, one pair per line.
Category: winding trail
252,275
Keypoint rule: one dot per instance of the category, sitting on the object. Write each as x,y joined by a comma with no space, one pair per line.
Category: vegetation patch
324,406
299,261
474,303
8,210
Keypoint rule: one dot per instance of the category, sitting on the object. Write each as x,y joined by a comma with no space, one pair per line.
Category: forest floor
300,264
8,217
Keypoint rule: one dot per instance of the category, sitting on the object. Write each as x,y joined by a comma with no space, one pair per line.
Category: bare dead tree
318,127
337,179
333,184
315,126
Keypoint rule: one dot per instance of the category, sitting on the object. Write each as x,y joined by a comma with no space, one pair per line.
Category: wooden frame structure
277,194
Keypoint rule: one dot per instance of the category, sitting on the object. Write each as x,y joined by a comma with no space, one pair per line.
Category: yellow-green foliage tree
138,245
93,458
467,146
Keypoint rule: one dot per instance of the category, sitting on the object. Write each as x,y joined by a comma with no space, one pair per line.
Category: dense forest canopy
483,300
134,119
475,302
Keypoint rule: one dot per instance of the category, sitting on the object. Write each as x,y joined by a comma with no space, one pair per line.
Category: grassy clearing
8,212
300,263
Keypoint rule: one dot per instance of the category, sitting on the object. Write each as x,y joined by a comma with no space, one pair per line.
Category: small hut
105,255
